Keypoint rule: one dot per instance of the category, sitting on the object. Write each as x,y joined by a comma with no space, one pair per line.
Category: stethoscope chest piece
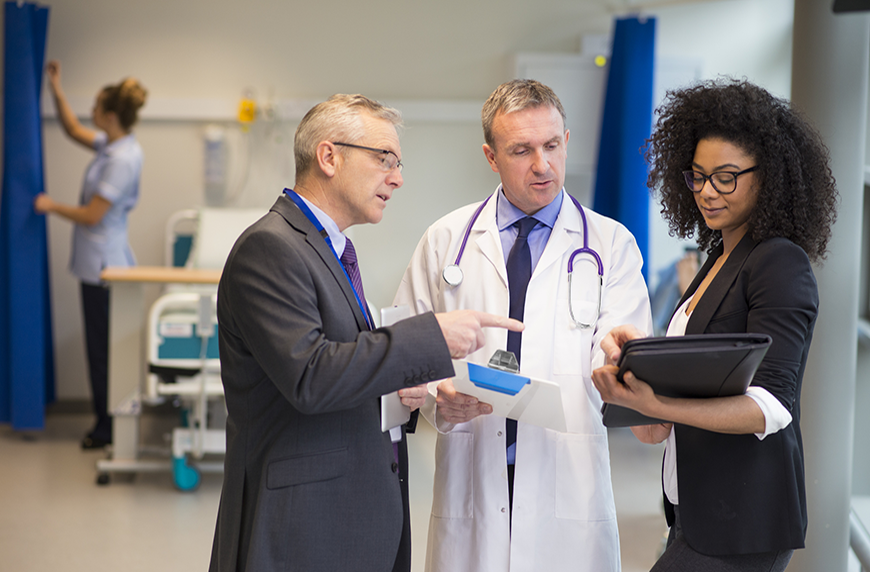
452,274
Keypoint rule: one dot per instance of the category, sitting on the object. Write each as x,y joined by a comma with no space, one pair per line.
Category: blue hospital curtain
620,180
26,349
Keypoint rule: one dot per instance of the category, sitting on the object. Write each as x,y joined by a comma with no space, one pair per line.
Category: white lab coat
563,511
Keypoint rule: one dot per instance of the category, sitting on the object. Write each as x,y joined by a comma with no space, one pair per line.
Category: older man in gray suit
311,481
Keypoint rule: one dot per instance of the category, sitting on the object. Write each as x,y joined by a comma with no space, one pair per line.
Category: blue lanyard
310,216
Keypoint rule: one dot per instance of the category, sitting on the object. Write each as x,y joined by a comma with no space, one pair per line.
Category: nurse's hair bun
125,99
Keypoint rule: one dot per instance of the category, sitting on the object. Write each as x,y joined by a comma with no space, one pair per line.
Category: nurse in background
110,190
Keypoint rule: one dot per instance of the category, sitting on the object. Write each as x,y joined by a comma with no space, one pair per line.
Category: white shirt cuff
776,417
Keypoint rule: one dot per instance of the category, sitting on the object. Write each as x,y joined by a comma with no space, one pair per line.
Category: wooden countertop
160,274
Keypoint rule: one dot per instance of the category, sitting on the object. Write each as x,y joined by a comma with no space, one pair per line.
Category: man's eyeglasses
389,160
724,182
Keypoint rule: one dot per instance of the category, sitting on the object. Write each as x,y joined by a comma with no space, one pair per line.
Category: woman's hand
87,215
612,343
652,434
71,124
43,204
734,415
631,392
52,70
634,394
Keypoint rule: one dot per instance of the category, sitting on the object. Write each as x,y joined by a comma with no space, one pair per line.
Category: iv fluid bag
215,166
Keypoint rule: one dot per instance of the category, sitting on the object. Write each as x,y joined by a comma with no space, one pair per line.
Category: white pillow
216,234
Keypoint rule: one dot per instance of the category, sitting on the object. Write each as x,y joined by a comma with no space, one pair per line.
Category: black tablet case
706,365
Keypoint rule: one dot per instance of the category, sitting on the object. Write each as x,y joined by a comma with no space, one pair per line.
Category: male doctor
507,495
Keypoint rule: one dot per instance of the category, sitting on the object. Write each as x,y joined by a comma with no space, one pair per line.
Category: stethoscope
453,275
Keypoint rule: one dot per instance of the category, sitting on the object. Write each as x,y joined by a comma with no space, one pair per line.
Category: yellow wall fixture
247,110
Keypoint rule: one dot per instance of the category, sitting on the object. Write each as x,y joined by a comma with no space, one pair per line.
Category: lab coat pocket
583,488
454,484
573,351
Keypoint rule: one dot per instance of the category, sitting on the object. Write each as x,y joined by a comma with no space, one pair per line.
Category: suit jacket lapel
699,277
297,219
719,287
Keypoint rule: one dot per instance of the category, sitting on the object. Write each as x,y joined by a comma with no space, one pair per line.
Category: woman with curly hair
743,173
109,191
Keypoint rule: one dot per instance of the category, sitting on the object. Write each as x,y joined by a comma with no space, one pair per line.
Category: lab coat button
503,509
395,467
499,433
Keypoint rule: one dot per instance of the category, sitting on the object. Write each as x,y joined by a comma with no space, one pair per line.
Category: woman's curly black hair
797,194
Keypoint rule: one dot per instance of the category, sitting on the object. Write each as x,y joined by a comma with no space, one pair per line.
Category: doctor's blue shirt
507,214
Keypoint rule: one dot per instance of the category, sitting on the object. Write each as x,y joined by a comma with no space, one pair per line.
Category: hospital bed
182,345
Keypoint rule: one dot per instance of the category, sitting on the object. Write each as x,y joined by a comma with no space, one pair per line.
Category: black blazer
739,495
310,479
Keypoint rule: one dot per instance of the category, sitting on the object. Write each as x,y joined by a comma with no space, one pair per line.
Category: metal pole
859,539
829,84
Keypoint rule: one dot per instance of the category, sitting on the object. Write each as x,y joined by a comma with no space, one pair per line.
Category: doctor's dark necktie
519,271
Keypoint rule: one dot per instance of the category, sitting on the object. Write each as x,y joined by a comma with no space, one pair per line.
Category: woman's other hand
634,394
52,70
43,204
652,434
630,392
612,343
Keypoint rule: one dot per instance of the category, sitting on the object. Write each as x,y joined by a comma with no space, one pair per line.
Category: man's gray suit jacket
310,481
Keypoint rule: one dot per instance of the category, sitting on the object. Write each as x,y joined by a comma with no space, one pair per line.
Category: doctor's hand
414,397
455,407
463,329
612,343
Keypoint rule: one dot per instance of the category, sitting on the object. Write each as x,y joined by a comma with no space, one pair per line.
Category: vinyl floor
54,517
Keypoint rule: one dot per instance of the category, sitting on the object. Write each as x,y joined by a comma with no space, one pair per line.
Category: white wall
448,51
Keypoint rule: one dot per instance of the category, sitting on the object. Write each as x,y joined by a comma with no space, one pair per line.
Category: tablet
706,365
393,413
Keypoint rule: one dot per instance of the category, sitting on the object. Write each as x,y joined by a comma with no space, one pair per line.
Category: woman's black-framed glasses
389,160
724,182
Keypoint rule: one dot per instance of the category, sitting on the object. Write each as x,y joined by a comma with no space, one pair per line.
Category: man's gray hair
336,119
514,96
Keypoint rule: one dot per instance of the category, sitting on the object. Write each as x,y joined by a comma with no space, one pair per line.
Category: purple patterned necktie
348,259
